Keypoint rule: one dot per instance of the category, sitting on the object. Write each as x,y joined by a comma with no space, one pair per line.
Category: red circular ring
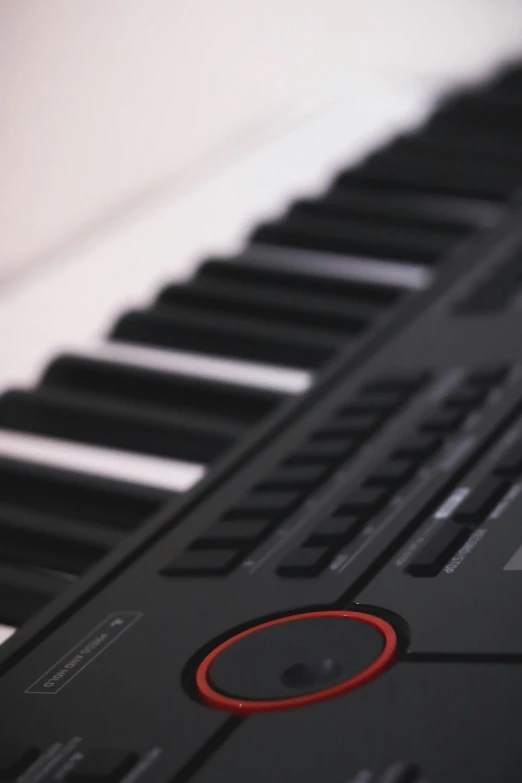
213,698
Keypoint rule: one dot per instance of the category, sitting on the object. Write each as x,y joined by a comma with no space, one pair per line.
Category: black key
443,420
421,150
489,376
365,501
41,541
203,562
238,532
459,211
460,178
419,446
354,237
409,211
165,392
103,765
392,473
437,552
483,499
510,81
433,143
287,308
114,425
466,398
23,592
482,144
224,336
304,562
335,530
265,504
336,205
486,111
347,292
75,497
289,476
161,393
510,464
15,759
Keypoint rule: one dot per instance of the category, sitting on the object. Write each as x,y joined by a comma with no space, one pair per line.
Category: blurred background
104,102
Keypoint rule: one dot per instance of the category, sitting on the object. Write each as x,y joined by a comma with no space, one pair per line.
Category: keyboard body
458,672
389,489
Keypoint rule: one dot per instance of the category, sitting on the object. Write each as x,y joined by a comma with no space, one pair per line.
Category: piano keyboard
110,433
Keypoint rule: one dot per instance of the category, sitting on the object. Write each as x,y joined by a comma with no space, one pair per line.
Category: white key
168,474
416,277
6,632
269,377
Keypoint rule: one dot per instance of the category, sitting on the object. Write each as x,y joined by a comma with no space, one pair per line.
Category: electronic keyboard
269,529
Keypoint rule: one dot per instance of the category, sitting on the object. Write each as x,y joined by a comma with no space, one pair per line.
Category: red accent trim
213,698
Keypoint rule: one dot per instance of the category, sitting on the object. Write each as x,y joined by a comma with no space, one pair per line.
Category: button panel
390,476
222,547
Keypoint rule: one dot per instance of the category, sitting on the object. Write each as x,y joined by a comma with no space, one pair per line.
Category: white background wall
103,101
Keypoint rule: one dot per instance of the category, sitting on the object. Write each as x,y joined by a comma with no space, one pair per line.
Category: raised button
510,464
466,398
439,549
482,500
202,562
364,501
490,376
293,476
443,421
103,766
237,531
407,383
392,473
336,528
15,759
263,503
420,446
383,401
306,561
327,448
356,424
